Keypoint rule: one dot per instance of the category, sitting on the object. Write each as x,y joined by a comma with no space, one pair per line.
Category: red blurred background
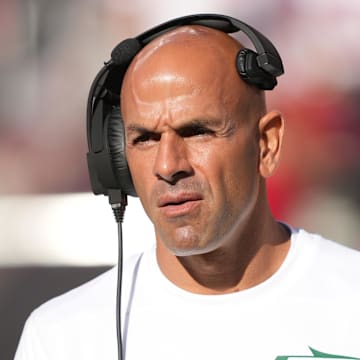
50,53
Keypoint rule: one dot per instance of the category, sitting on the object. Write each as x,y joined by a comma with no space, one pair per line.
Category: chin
185,241
187,249
186,252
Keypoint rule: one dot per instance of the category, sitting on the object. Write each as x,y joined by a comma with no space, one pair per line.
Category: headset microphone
124,52
107,164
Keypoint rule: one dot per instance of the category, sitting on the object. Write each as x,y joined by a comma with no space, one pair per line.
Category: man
226,280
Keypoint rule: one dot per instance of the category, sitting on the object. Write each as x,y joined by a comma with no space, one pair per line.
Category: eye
195,130
140,139
145,138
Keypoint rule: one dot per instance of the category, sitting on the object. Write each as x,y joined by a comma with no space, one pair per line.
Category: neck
253,256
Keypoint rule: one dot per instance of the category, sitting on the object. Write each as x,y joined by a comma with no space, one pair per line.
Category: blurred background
54,234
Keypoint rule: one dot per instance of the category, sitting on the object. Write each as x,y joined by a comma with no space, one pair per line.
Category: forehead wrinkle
222,128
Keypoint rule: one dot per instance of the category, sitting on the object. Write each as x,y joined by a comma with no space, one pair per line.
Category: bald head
187,61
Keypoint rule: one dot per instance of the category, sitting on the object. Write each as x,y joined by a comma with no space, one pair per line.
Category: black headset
108,169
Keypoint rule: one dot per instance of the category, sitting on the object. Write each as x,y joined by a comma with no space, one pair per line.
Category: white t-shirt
312,303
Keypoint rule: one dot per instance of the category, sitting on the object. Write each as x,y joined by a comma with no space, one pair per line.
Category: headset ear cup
116,143
250,71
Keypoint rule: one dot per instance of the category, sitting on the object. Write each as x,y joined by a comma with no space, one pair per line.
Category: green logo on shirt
315,355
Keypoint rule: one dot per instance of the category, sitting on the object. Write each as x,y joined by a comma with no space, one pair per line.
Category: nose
172,162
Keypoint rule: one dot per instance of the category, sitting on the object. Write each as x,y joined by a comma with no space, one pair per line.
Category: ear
271,130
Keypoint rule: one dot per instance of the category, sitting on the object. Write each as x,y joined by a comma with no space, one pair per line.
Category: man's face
192,149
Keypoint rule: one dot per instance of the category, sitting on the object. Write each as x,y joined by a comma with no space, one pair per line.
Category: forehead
189,64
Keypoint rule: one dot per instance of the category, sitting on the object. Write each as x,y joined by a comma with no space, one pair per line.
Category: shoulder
91,293
97,295
329,262
90,310
327,249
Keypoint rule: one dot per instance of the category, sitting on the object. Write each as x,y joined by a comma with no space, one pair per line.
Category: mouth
180,205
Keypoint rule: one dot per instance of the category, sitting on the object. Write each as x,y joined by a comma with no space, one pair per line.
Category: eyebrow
135,128
196,122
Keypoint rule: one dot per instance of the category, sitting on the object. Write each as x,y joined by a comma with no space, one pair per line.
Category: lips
179,204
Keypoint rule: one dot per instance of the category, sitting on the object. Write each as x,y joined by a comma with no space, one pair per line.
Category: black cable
118,293
118,202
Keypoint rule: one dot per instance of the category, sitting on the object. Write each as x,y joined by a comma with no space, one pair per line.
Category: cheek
141,173
226,166
239,173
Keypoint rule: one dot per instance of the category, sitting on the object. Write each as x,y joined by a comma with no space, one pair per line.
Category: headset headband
269,59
